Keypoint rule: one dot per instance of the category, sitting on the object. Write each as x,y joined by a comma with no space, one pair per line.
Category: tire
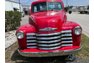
81,12
70,57
70,12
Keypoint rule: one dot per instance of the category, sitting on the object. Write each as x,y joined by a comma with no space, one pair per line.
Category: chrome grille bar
50,38
32,47
31,41
30,34
66,31
67,38
66,35
49,44
31,37
49,41
67,41
48,34
52,48
67,44
54,41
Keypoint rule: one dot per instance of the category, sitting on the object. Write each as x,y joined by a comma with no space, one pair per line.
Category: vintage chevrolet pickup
48,32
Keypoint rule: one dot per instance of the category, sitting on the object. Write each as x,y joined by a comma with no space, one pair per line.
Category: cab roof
50,0
37,1
47,1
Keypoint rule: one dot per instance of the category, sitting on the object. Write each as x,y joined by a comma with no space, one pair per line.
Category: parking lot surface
82,19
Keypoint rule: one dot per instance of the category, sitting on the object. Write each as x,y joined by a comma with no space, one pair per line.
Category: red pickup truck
48,32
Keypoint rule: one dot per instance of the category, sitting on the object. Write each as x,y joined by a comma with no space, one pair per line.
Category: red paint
26,29
54,19
71,25
61,49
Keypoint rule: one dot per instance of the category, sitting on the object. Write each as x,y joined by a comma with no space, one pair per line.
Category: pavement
25,20
10,38
82,19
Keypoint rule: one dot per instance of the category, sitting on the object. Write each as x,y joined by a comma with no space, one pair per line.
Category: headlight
77,30
20,35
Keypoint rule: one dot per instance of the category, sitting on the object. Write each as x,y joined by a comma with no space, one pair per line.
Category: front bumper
59,52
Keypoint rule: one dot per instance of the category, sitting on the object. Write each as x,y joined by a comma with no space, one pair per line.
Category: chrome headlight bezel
77,30
20,35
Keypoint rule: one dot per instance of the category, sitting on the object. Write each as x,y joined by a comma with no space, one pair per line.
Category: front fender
27,28
69,25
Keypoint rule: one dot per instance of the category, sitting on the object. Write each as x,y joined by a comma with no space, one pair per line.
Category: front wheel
70,57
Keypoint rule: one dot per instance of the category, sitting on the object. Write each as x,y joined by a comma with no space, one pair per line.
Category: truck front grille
49,41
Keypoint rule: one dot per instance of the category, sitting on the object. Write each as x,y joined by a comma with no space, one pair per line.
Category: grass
83,54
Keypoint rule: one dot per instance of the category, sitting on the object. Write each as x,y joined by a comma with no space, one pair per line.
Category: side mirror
70,12
65,9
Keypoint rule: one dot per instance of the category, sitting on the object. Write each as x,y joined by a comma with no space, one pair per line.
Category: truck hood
52,19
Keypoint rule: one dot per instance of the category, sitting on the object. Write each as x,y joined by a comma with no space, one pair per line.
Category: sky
70,2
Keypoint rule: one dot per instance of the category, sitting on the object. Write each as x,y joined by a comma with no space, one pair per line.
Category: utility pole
67,3
19,6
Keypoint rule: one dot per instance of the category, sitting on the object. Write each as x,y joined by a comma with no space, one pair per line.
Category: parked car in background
83,9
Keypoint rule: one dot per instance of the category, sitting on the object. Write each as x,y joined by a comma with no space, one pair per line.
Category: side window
39,7
35,9
43,6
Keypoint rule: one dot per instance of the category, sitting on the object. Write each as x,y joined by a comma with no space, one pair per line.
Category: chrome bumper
43,54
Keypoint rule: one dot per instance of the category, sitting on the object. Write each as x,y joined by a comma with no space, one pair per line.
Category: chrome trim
45,54
48,29
49,38
66,31
49,41
31,37
31,34
49,44
66,34
67,44
31,44
32,47
48,34
67,38
77,27
50,48
67,41
20,32
31,41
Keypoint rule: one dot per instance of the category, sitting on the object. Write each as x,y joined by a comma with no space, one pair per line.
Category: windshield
46,6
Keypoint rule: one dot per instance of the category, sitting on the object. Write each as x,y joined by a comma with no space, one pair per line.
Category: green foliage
12,20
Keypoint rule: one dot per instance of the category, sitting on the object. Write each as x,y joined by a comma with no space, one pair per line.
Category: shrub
12,20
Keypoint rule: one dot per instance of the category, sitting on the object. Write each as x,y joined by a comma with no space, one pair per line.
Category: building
11,5
26,9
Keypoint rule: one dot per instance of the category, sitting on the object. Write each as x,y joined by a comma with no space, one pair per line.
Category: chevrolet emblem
48,29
